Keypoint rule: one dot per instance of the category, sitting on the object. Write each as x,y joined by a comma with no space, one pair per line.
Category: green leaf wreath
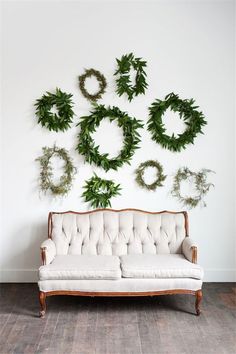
90,150
123,81
46,174
160,177
193,119
201,185
101,80
99,191
63,103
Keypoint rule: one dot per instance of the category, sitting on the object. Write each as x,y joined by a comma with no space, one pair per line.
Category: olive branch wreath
160,177
101,80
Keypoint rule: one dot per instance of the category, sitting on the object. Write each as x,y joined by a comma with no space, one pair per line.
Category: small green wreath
63,103
123,82
99,191
46,173
140,175
89,124
193,119
101,80
201,185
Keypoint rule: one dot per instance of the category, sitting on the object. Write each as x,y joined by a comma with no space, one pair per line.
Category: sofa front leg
197,302
42,301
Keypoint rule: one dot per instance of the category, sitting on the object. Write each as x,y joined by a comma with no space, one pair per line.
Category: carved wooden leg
42,301
198,300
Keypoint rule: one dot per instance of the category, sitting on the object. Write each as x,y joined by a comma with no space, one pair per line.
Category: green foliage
90,150
101,80
140,174
99,191
46,174
123,82
201,186
53,121
193,119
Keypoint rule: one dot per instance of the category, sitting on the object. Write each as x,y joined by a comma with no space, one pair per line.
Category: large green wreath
193,119
201,185
160,177
101,80
99,191
46,173
52,121
123,82
89,124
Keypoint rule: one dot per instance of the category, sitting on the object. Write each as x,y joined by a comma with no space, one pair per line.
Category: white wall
189,47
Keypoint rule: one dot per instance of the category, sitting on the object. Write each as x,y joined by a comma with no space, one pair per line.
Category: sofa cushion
159,266
81,267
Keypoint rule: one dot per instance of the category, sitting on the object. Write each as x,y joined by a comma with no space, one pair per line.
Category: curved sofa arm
189,249
48,251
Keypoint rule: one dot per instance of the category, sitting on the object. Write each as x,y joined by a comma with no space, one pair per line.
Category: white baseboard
31,275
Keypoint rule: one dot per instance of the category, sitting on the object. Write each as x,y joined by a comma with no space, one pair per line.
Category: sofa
127,252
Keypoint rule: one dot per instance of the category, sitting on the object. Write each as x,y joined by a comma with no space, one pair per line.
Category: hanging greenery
101,80
90,150
53,121
99,191
46,174
201,186
160,177
123,81
193,119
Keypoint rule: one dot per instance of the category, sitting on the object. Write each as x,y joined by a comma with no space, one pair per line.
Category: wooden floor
164,324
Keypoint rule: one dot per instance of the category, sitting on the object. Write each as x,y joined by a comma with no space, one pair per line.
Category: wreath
201,185
46,174
99,191
88,125
63,103
160,177
193,119
101,80
123,82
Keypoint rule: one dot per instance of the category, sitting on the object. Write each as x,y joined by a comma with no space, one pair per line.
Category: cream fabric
121,285
118,233
81,267
50,250
187,244
159,266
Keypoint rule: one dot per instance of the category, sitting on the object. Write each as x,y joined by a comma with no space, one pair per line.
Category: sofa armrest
189,249
48,251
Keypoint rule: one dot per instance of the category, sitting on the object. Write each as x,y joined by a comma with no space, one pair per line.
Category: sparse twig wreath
46,174
101,80
89,124
99,191
193,119
123,81
160,177
63,103
202,187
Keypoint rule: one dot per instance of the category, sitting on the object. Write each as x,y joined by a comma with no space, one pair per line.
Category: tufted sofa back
118,232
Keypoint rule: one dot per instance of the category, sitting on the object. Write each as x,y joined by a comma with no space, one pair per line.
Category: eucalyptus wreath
160,177
101,80
99,191
123,82
201,186
63,103
46,174
193,119
90,150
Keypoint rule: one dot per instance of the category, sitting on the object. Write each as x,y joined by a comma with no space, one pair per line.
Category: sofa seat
159,266
74,267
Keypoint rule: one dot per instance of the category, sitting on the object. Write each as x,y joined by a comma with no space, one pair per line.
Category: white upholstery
50,250
159,266
187,245
121,285
108,232
81,267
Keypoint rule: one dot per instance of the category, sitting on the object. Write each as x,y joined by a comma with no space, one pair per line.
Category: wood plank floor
164,324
